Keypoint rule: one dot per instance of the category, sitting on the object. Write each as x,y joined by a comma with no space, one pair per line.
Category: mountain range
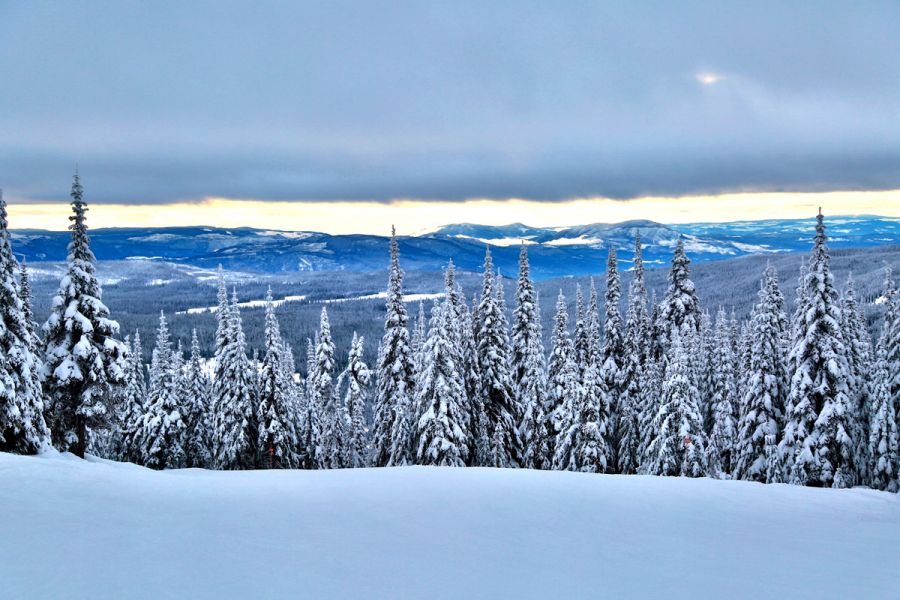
553,251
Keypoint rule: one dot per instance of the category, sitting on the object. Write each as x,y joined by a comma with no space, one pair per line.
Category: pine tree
22,426
27,307
818,426
393,404
335,420
882,450
680,309
162,430
890,337
310,419
611,367
234,426
196,410
528,369
763,399
357,376
440,434
562,378
637,329
134,399
723,435
679,447
580,334
583,443
276,432
859,359
82,359
494,353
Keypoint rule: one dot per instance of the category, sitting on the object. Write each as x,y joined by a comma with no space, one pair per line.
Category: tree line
665,389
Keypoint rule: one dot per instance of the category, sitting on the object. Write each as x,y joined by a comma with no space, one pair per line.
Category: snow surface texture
97,529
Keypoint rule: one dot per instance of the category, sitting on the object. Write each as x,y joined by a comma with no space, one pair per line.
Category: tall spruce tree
723,435
679,311
612,360
196,411
83,360
235,426
357,376
583,443
310,419
562,377
890,338
134,399
441,438
494,353
882,451
819,429
764,394
580,334
394,373
22,426
859,359
679,445
529,369
163,429
276,431
335,420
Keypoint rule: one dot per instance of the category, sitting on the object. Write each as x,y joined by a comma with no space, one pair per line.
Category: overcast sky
175,101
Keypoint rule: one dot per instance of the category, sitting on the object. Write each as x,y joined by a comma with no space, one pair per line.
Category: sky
345,116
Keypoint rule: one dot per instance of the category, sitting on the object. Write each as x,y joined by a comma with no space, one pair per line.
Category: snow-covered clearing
94,529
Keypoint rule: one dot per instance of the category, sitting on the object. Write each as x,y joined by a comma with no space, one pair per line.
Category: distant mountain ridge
554,251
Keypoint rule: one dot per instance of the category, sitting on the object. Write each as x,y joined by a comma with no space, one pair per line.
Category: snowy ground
93,529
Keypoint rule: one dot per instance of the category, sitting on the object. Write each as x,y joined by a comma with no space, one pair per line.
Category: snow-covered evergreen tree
612,359
276,431
494,354
679,310
819,431
723,434
235,427
22,426
27,306
679,445
763,397
583,444
441,438
335,420
132,403
196,410
310,417
394,373
859,359
883,451
562,377
529,369
82,358
890,338
163,429
357,376
580,334
637,330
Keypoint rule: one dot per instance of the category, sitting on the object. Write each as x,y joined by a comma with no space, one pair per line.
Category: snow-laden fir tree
494,354
82,358
196,410
335,420
310,420
723,434
580,334
583,443
417,346
163,429
701,359
882,451
679,445
637,330
679,311
132,403
611,367
763,397
819,428
235,428
466,357
859,359
357,377
394,374
22,426
562,376
441,438
27,306
890,338
276,430
529,369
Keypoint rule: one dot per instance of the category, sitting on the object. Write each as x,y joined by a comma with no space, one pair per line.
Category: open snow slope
93,529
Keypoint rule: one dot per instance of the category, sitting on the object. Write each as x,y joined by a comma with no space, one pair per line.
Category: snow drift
96,529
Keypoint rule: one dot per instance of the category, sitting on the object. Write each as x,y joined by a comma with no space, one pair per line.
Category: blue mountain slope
577,250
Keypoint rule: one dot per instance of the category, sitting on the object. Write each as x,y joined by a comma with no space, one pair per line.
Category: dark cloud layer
366,100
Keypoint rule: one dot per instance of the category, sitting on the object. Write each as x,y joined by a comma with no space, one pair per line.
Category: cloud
351,101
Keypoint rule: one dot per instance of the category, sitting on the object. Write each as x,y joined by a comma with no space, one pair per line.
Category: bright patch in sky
708,78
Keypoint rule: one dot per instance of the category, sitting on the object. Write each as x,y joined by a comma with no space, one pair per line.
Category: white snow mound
97,529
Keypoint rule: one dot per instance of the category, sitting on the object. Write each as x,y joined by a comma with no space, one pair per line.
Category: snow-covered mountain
554,251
